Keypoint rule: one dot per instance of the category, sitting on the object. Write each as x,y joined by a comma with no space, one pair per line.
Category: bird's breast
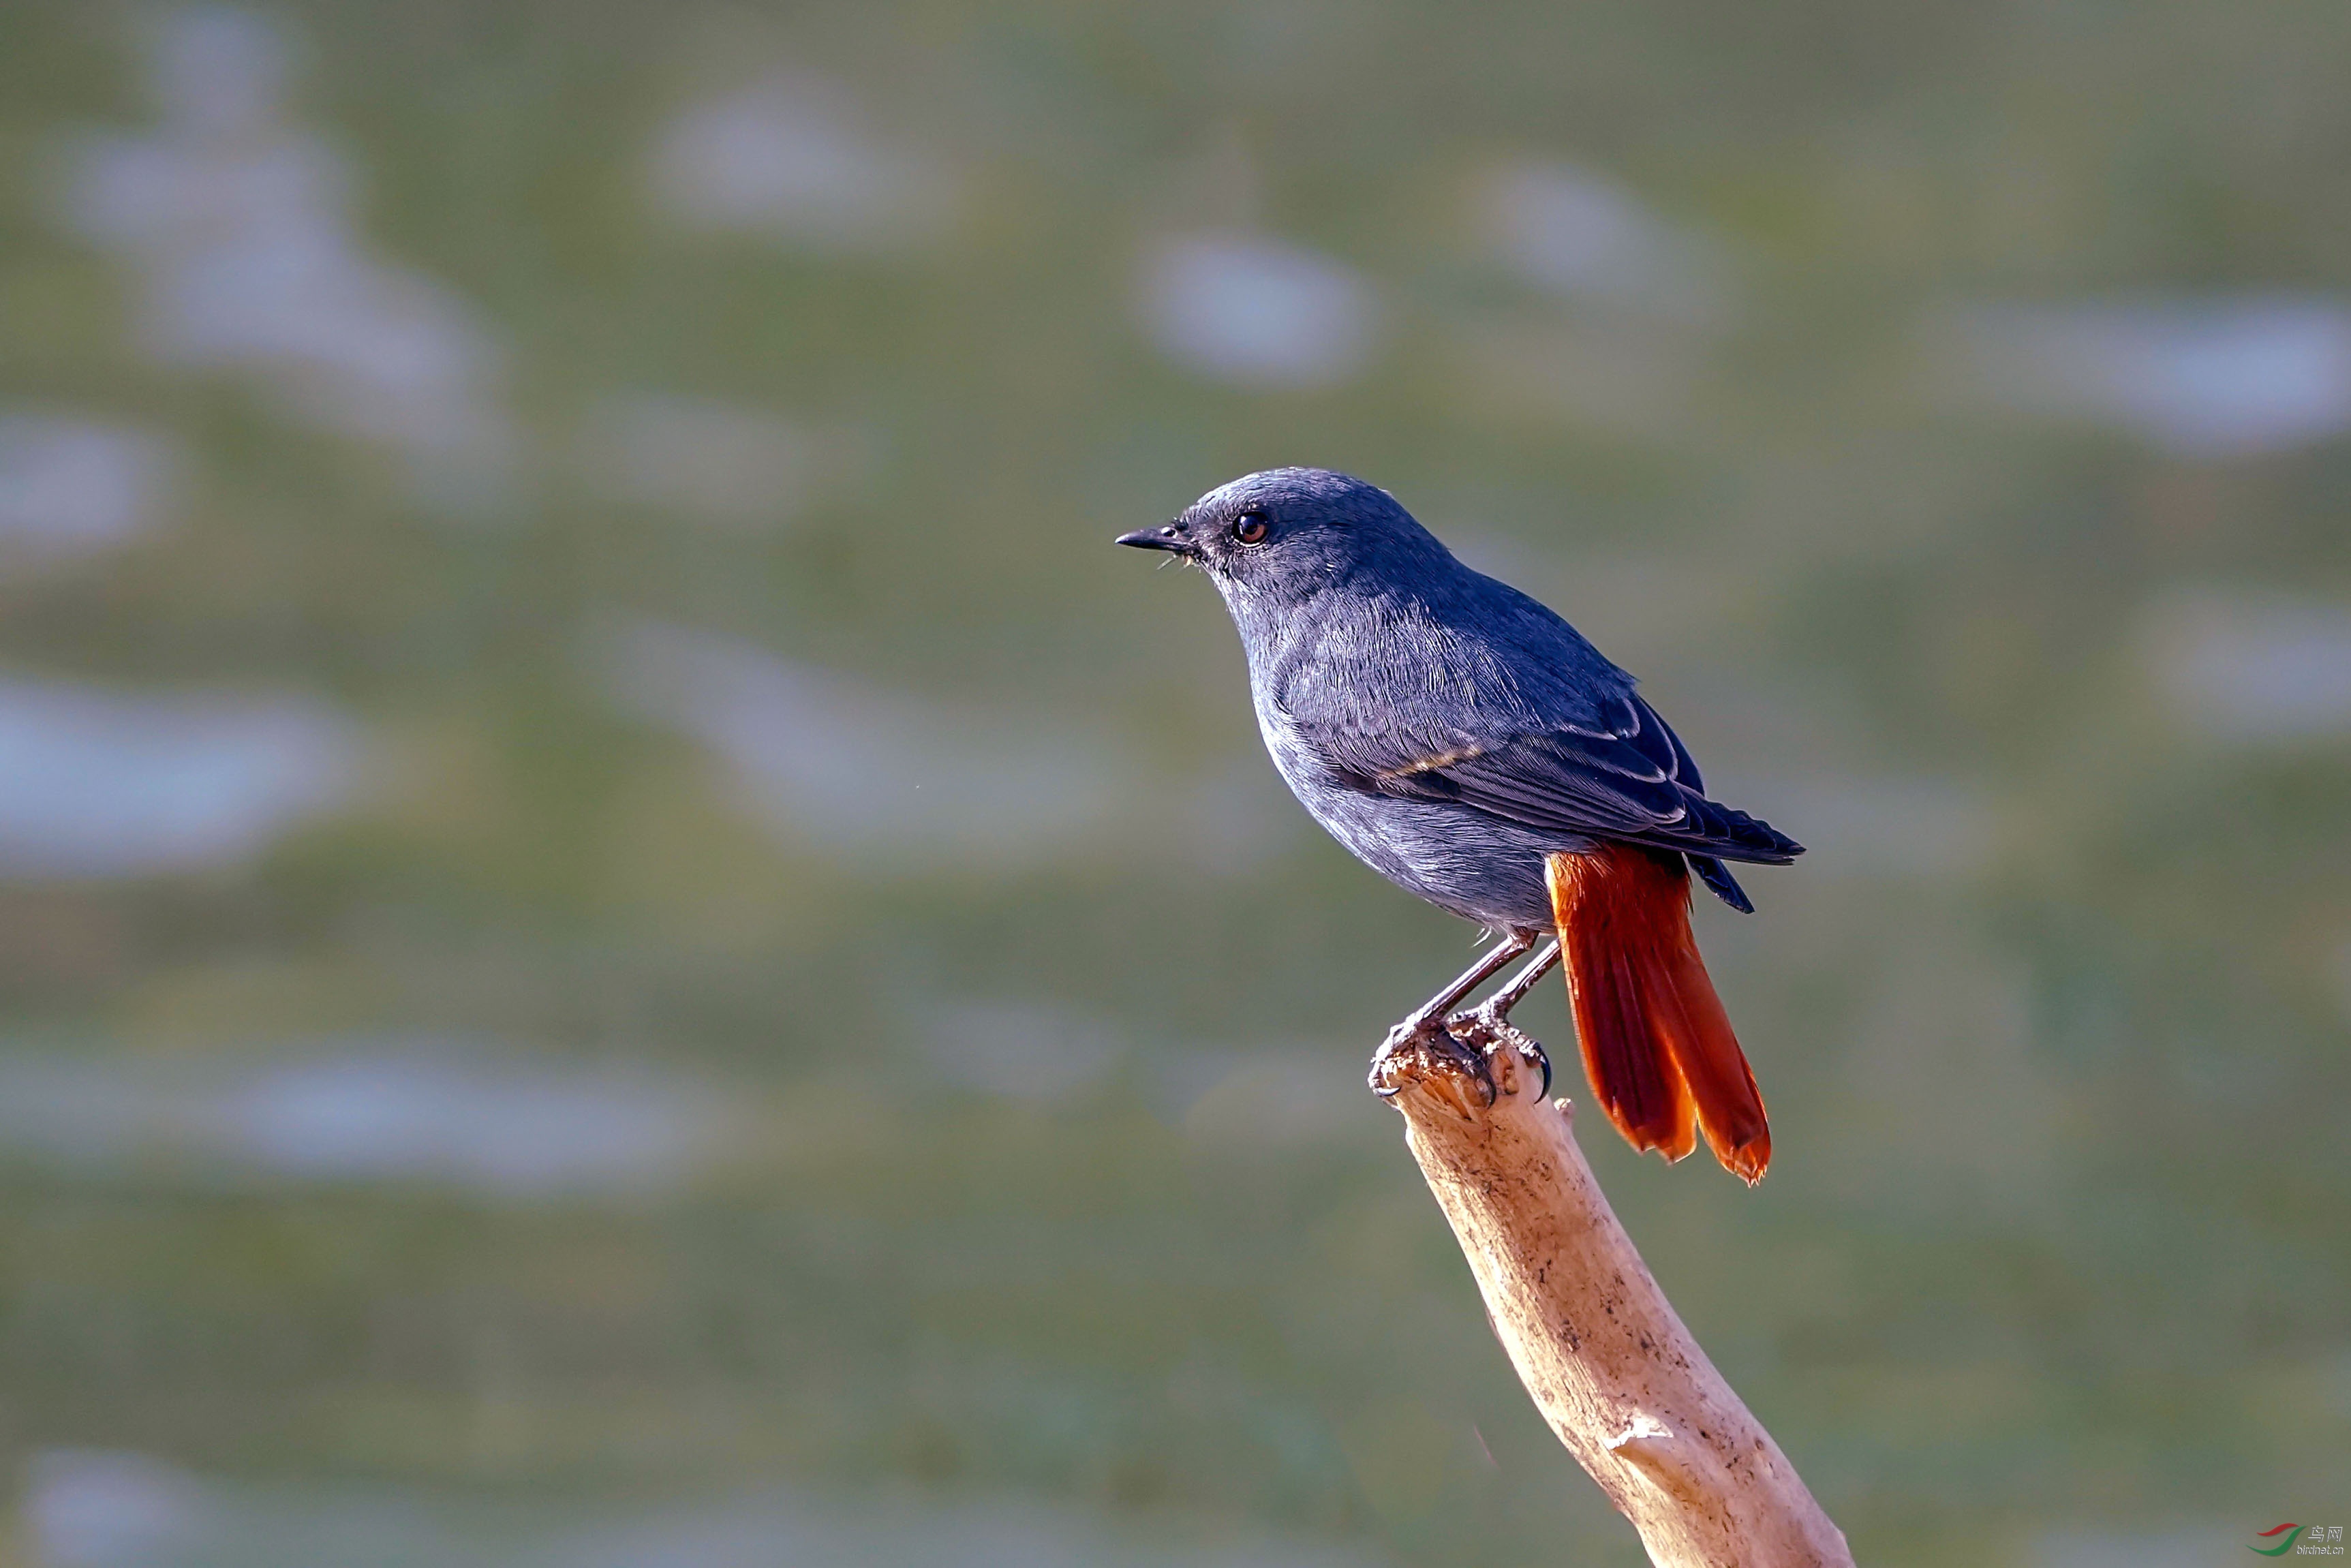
1457,858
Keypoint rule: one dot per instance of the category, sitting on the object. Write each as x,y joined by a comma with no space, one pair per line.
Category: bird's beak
1173,537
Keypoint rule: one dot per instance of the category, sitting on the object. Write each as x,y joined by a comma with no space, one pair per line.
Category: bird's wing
1626,777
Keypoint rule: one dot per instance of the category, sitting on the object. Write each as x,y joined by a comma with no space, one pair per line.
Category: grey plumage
1444,726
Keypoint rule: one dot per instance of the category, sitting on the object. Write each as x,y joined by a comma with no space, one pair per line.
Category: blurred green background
626,940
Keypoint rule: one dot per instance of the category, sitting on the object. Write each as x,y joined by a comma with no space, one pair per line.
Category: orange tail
1657,1044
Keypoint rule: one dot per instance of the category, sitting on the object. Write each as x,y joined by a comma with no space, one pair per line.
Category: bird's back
1447,655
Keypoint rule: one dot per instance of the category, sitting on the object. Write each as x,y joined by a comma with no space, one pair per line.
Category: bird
1468,744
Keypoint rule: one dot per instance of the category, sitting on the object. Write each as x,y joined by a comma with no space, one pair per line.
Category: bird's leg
1426,1022
1494,1012
1497,1006
1442,1003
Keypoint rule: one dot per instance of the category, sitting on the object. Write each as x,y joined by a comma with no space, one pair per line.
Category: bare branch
1598,1346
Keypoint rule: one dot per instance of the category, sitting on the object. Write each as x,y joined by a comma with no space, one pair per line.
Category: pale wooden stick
1595,1341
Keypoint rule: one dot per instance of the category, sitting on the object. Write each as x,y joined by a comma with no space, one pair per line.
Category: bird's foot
1416,1045
1489,1026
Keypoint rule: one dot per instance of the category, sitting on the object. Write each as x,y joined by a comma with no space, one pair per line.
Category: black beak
1170,537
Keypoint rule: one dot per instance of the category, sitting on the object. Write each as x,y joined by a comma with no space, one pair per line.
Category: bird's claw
1542,1059
1437,1040
1492,1025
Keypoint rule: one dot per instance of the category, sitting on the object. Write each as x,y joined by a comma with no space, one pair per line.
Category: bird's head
1273,539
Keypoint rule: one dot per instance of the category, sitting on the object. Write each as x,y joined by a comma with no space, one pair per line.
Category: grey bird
1472,748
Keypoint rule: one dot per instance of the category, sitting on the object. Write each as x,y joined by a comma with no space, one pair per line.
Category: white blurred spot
882,777
70,487
216,72
88,1508
2253,669
2206,378
1584,236
239,227
396,1111
712,460
91,1508
788,159
97,783
1258,312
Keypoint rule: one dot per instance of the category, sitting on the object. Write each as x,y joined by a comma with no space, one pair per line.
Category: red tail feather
1656,1043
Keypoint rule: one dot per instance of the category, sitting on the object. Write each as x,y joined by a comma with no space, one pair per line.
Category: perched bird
1470,745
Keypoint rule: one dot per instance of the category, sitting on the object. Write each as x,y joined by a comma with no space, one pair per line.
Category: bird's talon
1472,1061
1435,1039
1529,1051
1400,1041
1542,1059
1489,1026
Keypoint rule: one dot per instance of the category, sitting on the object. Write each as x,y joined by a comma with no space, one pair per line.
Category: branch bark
1596,1343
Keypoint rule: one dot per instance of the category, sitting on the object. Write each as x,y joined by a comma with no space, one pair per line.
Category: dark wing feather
1725,887
1631,782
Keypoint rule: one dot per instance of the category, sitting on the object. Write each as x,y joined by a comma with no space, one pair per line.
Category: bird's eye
1250,527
